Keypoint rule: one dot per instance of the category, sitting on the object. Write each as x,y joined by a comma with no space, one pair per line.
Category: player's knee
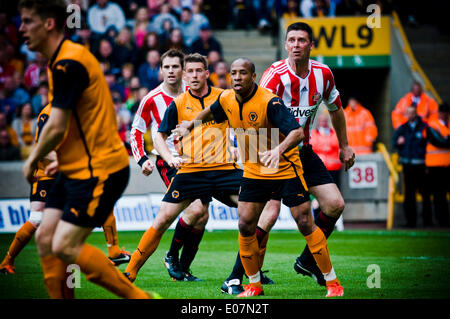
35,218
246,227
336,207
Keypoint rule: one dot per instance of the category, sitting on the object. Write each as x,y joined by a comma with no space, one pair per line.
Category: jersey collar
52,60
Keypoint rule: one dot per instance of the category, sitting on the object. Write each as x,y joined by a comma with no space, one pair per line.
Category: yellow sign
348,36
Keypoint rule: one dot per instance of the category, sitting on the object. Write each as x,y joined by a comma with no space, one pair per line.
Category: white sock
254,278
330,276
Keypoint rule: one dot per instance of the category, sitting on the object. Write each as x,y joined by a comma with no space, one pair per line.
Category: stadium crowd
128,38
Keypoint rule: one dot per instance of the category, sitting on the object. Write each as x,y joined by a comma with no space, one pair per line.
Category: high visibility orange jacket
438,150
361,129
327,148
427,109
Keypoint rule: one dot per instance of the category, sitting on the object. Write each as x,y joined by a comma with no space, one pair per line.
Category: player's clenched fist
175,162
147,167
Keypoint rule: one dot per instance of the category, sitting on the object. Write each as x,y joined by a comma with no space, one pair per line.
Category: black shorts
291,191
216,183
167,173
314,170
89,202
39,190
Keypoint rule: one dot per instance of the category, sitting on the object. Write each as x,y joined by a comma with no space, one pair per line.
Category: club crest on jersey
253,116
175,194
316,97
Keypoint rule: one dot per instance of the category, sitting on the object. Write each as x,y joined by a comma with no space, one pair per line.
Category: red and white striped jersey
303,96
149,114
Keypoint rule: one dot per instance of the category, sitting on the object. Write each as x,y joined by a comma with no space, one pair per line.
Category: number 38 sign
363,175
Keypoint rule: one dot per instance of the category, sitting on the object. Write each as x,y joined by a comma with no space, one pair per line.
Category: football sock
190,248
112,240
55,276
317,244
21,239
147,245
182,231
262,237
101,271
326,224
238,270
248,247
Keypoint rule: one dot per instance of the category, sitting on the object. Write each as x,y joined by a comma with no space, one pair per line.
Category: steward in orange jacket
361,128
437,160
427,108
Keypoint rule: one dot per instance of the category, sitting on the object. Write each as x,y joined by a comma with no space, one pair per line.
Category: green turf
412,265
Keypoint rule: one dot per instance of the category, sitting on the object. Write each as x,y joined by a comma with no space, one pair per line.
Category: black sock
182,230
190,248
238,271
326,224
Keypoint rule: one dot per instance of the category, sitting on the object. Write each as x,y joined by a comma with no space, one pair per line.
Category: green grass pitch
413,264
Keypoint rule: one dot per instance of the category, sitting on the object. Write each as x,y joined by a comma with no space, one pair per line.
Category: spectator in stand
159,19
13,59
148,73
141,26
437,160
8,152
130,7
410,139
124,80
361,128
25,126
176,41
262,10
14,94
104,14
106,56
189,26
221,77
151,42
12,134
175,8
320,9
83,36
213,57
427,107
167,28
292,9
198,15
6,68
154,6
125,49
110,78
40,99
132,103
206,42
8,29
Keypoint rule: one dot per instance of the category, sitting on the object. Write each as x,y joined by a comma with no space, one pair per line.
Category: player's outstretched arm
51,136
346,153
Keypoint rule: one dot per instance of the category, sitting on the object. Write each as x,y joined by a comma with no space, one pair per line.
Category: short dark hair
300,26
251,64
45,9
196,57
173,53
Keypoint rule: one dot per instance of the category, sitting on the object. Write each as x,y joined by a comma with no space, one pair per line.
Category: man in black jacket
410,139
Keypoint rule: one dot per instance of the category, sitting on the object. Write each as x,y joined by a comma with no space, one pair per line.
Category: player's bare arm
51,136
163,150
346,153
271,157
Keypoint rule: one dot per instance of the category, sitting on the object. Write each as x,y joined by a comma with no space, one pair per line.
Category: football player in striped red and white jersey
190,227
303,84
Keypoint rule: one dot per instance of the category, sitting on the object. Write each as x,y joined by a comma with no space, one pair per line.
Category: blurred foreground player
92,160
271,164
38,196
191,226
